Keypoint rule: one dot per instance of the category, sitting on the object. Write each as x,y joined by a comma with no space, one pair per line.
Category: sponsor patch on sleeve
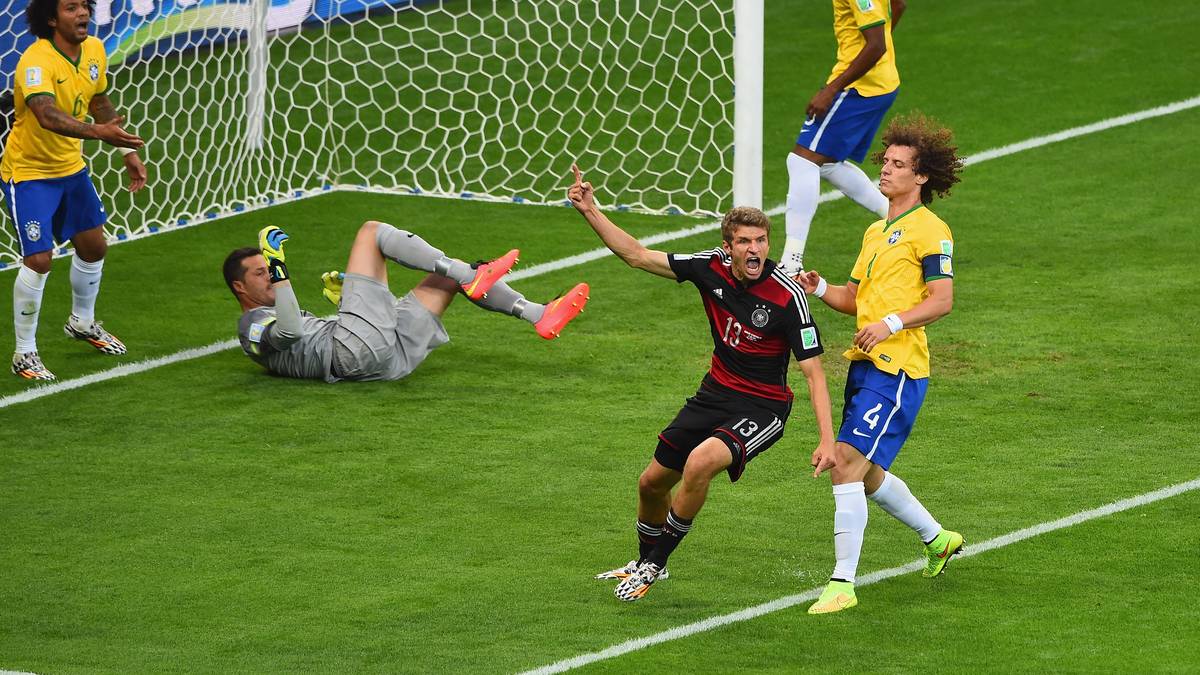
33,76
865,5
808,337
945,266
947,247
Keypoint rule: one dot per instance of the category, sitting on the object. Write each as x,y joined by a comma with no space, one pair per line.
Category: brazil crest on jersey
898,257
850,19
31,151
754,326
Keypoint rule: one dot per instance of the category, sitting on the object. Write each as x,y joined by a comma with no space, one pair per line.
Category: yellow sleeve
868,13
935,251
102,83
935,241
34,76
860,264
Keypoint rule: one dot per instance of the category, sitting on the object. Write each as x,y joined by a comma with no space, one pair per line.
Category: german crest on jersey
760,317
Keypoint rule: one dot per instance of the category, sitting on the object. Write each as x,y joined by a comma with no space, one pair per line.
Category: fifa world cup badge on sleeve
33,76
808,337
256,332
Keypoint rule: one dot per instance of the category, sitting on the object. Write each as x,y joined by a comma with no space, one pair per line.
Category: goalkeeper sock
502,298
415,253
855,184
27,304
85,286
804,186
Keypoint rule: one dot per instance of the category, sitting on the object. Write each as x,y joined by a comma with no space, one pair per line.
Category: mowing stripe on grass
874,577
596,254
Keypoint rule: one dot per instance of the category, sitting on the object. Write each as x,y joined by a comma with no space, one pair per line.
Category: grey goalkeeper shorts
379,336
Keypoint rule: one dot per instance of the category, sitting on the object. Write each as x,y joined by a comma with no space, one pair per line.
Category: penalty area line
789,601
596,254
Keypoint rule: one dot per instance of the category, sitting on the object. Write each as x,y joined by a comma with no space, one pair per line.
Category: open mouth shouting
753,265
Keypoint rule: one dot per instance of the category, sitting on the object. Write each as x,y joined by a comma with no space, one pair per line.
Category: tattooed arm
53,118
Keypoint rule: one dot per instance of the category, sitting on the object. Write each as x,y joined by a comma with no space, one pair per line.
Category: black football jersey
754,325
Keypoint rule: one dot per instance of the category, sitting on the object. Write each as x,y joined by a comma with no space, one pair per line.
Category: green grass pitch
205,517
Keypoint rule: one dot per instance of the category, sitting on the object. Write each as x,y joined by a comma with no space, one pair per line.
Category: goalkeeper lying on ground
375,336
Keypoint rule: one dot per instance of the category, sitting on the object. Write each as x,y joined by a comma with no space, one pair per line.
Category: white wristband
894,323
125,152
821,288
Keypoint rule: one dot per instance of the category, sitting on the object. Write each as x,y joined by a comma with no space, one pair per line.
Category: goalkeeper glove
333,287
270,240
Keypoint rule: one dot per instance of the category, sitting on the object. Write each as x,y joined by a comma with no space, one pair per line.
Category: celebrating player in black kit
757,315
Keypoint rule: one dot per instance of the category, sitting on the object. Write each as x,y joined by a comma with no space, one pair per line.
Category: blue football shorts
847,130
880,410
49,210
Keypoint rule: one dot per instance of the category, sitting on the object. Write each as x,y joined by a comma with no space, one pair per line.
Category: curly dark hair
936,155
39,14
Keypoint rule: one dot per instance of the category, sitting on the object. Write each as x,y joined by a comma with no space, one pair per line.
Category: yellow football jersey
896,260
850,18
31,151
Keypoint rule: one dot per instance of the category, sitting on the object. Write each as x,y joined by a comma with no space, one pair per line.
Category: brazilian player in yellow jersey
842,118
60,80
902,281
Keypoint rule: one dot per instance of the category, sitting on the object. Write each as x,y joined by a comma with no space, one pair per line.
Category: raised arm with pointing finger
618,241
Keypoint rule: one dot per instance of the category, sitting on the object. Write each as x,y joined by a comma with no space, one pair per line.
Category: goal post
246,103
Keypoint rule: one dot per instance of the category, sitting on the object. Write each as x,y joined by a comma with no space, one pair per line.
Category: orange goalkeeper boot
487,274
561,310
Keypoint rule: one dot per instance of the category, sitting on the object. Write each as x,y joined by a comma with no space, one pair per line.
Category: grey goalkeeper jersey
307,356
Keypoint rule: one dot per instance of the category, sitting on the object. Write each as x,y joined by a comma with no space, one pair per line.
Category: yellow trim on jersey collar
893,222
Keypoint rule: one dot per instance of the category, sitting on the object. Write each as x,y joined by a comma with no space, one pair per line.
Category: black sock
673,533
648,536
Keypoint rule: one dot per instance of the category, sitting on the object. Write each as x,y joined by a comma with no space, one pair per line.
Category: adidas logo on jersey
717,292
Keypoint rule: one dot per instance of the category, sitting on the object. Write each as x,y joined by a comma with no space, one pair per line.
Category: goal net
246,104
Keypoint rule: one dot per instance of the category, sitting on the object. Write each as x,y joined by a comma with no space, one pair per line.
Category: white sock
85,286
27,304
853,183
849,523
894,497
804,186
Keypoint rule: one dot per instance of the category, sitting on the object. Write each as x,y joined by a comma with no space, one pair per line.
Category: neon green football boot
940,550
838,595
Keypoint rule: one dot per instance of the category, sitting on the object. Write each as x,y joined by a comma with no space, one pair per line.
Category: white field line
596,254
119,371
984,156
874,577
